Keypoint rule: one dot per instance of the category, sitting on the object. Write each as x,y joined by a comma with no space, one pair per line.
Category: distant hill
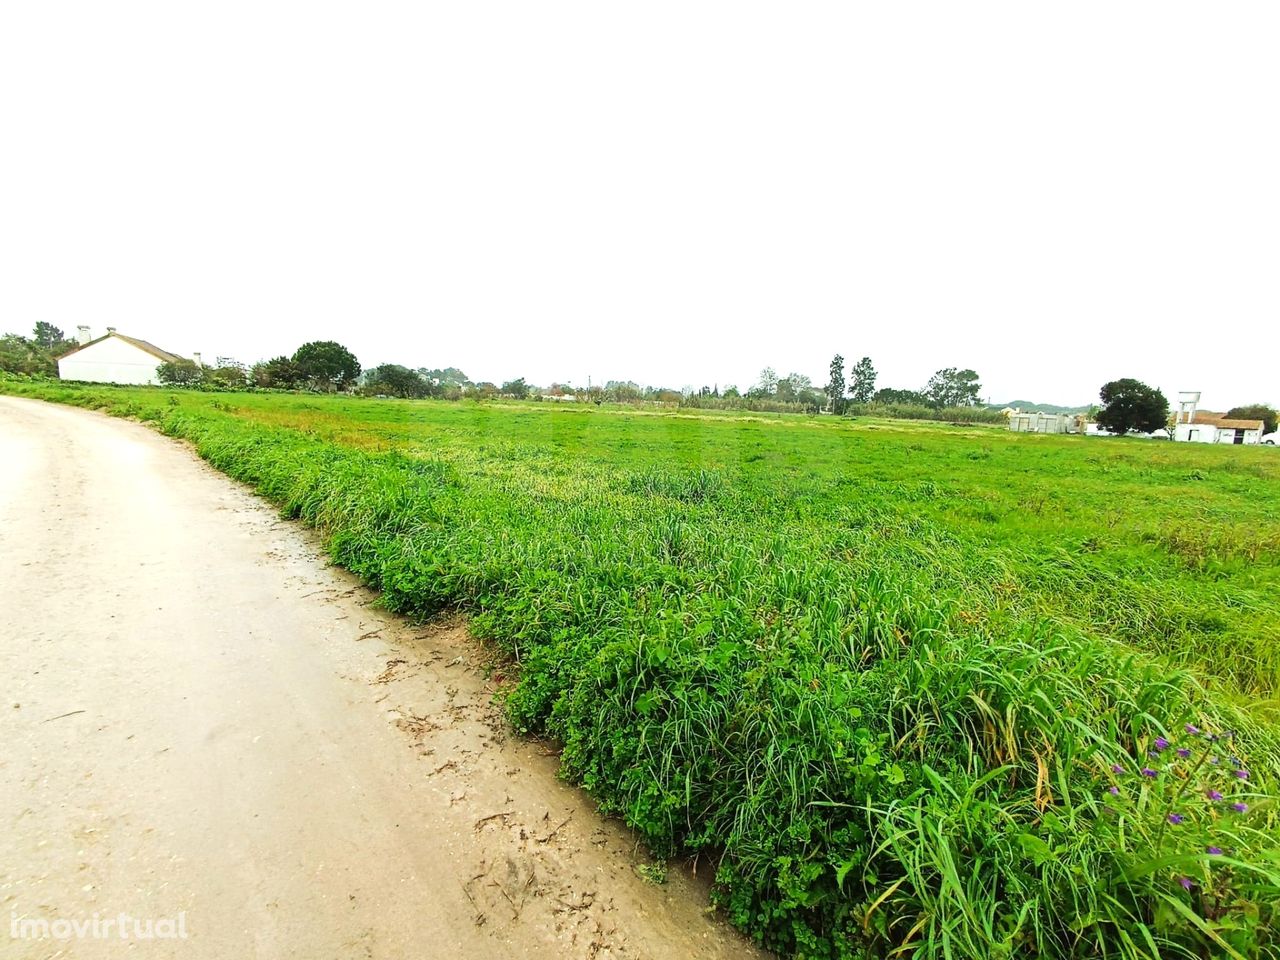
1039,407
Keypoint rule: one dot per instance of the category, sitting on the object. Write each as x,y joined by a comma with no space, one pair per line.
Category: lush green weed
889,674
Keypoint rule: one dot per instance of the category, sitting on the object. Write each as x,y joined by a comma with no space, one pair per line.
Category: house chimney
82,334
196,357
111,330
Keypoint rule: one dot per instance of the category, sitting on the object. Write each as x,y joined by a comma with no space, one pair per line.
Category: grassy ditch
919,691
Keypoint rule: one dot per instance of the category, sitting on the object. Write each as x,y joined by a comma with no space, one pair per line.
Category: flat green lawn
914,687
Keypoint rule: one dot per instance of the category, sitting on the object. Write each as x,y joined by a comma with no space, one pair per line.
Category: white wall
1206,433
1195,432
110,361
1228,435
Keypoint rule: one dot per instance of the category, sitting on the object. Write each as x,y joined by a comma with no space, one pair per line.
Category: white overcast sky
677,193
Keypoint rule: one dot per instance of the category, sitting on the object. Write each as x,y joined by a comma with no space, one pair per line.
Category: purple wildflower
1186,883
1116,768
1192,729
1214,851
1162,744
1114,791
1242,774
1215,795
1183,752
1148,772
1176,818
1240,807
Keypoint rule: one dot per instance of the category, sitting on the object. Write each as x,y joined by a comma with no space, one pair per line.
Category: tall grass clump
861,699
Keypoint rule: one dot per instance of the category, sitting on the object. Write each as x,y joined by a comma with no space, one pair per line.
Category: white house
1201,426
113,358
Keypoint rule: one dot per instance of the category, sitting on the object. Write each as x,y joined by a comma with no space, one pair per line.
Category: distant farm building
113,358
1032,421
1201,426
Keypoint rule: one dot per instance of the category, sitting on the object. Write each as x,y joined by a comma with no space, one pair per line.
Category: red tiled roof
1209,419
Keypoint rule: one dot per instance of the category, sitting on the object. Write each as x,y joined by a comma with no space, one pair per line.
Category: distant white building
113,358
1201,426
1032,421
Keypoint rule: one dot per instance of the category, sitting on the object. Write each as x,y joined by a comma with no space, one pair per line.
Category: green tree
180,373
447,378
863,384
835,384
798,388
228,374
327,364
279,373
20,355
47,336
950,387
397,381
1256,411
767,385
1129,405
793,388
619,391
516,388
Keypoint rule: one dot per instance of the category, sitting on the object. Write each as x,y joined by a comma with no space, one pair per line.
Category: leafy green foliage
1256,411
950,387
279,373
1131,406
27,357
835,385
179,373
516,389
882,671
48,337
863,383
396,381
891,396
226,375
326,364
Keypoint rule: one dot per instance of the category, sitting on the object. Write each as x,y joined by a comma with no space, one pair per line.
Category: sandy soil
200,716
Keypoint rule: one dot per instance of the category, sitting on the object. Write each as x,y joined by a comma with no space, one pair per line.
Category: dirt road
203,722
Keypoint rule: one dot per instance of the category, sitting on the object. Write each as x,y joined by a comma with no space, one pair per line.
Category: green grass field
908,684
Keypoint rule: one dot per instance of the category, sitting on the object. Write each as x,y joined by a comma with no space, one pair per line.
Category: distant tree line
1128,405
948,388
322,365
